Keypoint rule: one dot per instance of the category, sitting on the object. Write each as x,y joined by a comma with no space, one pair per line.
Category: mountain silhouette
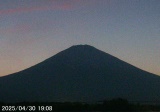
80,73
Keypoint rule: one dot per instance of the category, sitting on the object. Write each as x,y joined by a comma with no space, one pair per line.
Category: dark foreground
111,105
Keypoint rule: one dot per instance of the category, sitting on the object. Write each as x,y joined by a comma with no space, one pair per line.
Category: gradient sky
33,30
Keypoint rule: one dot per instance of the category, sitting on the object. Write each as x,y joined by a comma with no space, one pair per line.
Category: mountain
80,73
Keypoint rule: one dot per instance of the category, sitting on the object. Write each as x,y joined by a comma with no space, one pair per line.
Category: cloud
23,28
43,5
52,6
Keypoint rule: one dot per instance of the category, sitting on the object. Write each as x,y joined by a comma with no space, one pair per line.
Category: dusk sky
34,30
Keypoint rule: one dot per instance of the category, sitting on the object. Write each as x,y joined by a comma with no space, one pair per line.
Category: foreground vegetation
106,105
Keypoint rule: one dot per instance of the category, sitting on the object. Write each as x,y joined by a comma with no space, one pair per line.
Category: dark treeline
106,105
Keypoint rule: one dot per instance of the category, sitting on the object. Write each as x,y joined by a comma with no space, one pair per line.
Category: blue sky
33,30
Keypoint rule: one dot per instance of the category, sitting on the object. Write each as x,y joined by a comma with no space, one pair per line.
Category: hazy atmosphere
34,30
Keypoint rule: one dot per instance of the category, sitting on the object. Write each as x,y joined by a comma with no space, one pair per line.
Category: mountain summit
80,73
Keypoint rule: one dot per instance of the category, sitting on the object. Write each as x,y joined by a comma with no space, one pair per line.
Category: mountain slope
80,73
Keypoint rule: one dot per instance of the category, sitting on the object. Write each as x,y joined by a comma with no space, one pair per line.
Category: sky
34,30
